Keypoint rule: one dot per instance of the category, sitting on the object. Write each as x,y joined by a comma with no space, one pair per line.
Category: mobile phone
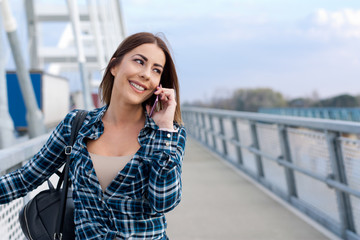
154,106
155,103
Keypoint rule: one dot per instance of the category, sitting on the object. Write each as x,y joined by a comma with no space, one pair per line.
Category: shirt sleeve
165,186
40,167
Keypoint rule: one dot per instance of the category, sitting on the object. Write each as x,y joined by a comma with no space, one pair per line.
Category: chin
137,101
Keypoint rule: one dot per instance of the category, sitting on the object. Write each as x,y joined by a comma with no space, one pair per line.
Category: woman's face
138,74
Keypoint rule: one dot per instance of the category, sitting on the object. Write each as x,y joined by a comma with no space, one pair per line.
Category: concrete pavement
219,203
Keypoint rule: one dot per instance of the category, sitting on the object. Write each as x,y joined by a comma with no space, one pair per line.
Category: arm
165,186
39,168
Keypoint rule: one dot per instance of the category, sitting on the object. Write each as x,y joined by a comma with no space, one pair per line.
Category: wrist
166,125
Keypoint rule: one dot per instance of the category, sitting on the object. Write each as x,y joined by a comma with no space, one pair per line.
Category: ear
113,70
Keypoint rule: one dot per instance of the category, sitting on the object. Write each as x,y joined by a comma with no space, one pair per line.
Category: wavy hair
168,78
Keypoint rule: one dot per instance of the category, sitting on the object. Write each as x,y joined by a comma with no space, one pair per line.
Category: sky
295,47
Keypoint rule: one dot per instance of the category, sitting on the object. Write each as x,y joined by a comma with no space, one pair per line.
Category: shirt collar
97,114
149,122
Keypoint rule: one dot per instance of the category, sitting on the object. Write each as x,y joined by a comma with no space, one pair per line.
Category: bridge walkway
219,202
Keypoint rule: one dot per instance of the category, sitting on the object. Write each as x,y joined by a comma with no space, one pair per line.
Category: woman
125,165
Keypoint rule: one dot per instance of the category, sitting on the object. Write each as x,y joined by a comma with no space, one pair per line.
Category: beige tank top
108,167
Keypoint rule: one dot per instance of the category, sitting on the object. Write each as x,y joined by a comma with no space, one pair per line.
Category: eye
140,61
157,70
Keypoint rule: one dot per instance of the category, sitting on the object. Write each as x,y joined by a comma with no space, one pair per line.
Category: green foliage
344,100
300,103
252,99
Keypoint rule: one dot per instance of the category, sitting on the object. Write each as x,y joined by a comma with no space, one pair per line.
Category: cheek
155,83
148,96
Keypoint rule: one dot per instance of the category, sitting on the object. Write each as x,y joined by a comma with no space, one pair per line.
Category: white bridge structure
91,32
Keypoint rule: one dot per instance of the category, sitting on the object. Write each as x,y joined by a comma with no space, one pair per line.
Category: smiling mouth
137,87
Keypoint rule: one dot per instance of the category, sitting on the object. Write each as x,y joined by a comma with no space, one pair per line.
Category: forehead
151,51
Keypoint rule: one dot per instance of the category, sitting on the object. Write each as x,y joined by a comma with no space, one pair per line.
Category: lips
137,86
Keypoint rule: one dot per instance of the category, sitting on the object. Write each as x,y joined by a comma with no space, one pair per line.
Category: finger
168,90
164,97
158,89
169,94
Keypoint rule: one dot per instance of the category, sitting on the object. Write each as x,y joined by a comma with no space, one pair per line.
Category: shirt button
168,135
121,178
167,144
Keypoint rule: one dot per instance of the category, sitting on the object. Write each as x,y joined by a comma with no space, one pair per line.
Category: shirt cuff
169,129
166,145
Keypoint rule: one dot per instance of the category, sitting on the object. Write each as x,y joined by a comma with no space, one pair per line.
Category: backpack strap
75,127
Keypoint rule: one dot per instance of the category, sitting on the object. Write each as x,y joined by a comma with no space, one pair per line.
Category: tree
300,103
344,100
253,99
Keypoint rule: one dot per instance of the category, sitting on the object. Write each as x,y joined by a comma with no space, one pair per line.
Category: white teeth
138,87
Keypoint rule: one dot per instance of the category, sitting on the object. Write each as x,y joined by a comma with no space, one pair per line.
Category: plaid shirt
133,205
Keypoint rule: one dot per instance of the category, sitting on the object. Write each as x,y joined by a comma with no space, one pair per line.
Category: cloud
341,24
338,19
199,22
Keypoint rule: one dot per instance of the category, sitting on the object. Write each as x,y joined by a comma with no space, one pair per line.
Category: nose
145,74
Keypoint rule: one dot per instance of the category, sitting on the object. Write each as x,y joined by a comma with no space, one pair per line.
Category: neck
124,114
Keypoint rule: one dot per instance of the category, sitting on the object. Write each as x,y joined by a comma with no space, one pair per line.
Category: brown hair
168,79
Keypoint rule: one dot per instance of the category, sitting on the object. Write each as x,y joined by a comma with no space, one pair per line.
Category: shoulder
69,118
91,115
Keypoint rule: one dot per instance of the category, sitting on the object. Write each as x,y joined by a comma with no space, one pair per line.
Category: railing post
286,154
222,132
75,23
205,130
106,29
94,20
32,35
338,169
237,139
7,136
194,124
255,144
198,126
34,116
119,11
212,131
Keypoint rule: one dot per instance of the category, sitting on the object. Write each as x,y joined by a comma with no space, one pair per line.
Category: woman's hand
164,118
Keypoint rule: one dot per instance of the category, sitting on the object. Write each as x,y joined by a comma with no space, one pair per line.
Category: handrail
312,123
12,158
15,155
214,126
336,113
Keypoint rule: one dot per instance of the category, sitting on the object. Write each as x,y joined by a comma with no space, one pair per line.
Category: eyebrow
146,59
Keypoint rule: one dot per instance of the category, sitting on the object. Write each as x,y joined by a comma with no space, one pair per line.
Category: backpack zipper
26,221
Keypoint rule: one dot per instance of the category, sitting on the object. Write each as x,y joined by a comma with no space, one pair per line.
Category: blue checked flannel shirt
133,205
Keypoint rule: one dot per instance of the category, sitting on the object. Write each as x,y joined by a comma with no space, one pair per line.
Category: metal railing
346,114
10,159
313,164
